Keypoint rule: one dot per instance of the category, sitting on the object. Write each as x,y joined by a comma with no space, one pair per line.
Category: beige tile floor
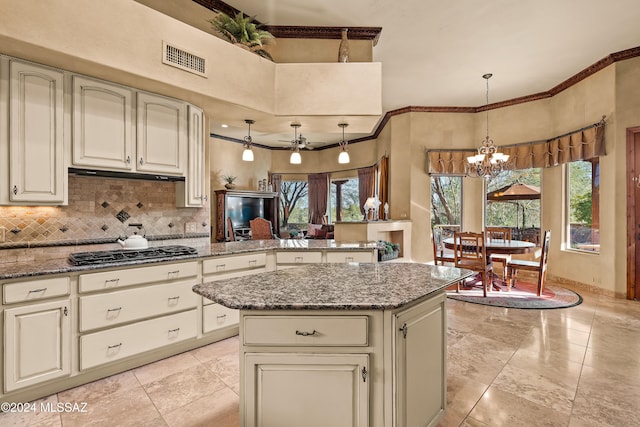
576,367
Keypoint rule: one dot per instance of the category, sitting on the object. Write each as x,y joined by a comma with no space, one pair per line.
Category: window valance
581,144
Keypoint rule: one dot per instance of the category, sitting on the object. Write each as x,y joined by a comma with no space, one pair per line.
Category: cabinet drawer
350,256
35,290
117,343
216,316
97,311
135,276
305,330
294,257
238,262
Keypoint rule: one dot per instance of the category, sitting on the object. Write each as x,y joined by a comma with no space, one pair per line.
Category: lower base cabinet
120,342
313,390
216,316
37,343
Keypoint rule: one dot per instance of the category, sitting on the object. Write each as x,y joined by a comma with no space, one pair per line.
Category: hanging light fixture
247,154
295,158
343,157
489,162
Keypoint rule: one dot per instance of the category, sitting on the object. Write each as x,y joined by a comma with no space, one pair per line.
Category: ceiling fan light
343,157
247,155
295,158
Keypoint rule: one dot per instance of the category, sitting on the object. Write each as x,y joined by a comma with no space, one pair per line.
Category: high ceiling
434,52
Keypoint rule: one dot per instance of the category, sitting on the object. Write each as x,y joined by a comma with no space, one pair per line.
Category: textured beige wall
226,159
316,50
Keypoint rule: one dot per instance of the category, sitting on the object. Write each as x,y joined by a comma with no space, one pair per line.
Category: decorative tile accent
105,227
139,205
15,230
63,228
123,216
204,224
171,225
105,204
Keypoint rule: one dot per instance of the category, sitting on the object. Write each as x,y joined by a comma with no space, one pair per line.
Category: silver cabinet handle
141,161
109,310
114,346
220,267
111,281
37,290
206,197
305,333
221,316
128,159
174,330
298,259
15,190
173,299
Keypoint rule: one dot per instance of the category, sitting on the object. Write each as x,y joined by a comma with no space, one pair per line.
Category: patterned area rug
523,296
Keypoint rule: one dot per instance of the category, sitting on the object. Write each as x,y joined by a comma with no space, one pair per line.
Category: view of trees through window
349,200
583,184
446,200
520,211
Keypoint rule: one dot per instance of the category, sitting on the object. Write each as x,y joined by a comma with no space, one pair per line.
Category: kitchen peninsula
352,344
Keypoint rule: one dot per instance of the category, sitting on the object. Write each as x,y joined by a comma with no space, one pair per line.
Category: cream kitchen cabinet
103,131
191,192
161,145
32,141
37,343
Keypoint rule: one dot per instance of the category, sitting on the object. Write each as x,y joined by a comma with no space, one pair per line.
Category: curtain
582,144
366,184
383,193
318,190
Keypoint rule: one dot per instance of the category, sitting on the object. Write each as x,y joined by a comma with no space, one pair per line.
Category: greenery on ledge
242,31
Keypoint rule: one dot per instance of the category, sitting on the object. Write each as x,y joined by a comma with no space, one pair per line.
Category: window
446,200
344,200
583,202
294,204
513,200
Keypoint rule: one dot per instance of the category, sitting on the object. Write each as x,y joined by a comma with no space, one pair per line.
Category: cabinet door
420,363
102,124
36,344
162,134
190,193
36,151
311,390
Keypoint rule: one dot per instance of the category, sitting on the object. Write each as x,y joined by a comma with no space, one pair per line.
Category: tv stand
244,198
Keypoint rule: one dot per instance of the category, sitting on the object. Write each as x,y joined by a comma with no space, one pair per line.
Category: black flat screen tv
241,210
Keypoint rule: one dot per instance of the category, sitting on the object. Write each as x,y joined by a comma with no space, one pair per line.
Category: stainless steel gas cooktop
121,255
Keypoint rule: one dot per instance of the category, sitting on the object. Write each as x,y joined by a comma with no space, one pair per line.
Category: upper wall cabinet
191,191
103,117
162,134
36,166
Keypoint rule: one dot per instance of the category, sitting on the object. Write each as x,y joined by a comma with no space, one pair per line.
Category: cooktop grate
121,255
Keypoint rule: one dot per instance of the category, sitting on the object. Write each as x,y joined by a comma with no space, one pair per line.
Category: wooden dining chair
470,252
261,229
441,254
502,234
540,267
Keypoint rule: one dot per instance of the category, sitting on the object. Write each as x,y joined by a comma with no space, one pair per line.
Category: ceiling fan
300,141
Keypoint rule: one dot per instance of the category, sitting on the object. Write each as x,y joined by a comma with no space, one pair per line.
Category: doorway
633,213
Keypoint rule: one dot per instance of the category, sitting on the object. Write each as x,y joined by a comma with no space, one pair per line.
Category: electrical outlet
3,234
191,227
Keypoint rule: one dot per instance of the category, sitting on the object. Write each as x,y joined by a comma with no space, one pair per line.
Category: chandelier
247,154
489,162
295,158
343,157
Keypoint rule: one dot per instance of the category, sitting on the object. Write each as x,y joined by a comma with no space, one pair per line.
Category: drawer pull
111,281
173,299
174,330
298,259
305,333
221,316
35,291
348,259
114,346
220,267
253,262
174,272
113,309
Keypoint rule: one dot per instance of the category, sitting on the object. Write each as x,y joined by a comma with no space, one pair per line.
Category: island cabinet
37,332
341,344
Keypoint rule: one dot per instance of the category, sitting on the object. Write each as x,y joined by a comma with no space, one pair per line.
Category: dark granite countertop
351,286
46,266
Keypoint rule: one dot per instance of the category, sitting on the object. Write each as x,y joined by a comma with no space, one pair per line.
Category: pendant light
489,162
247,154
343,157
295,158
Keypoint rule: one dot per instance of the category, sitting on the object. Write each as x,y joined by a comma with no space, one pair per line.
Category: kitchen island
355,344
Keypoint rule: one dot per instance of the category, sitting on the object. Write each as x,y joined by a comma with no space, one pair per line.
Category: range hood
126,175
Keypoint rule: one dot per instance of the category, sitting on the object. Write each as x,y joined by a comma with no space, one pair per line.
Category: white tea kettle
135,241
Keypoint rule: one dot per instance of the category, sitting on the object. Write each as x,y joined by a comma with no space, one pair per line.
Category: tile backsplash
100,210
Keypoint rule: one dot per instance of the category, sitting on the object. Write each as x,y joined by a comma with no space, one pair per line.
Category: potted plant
229,179
242,31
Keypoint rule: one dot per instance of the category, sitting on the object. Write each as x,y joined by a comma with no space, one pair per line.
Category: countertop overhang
350,286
